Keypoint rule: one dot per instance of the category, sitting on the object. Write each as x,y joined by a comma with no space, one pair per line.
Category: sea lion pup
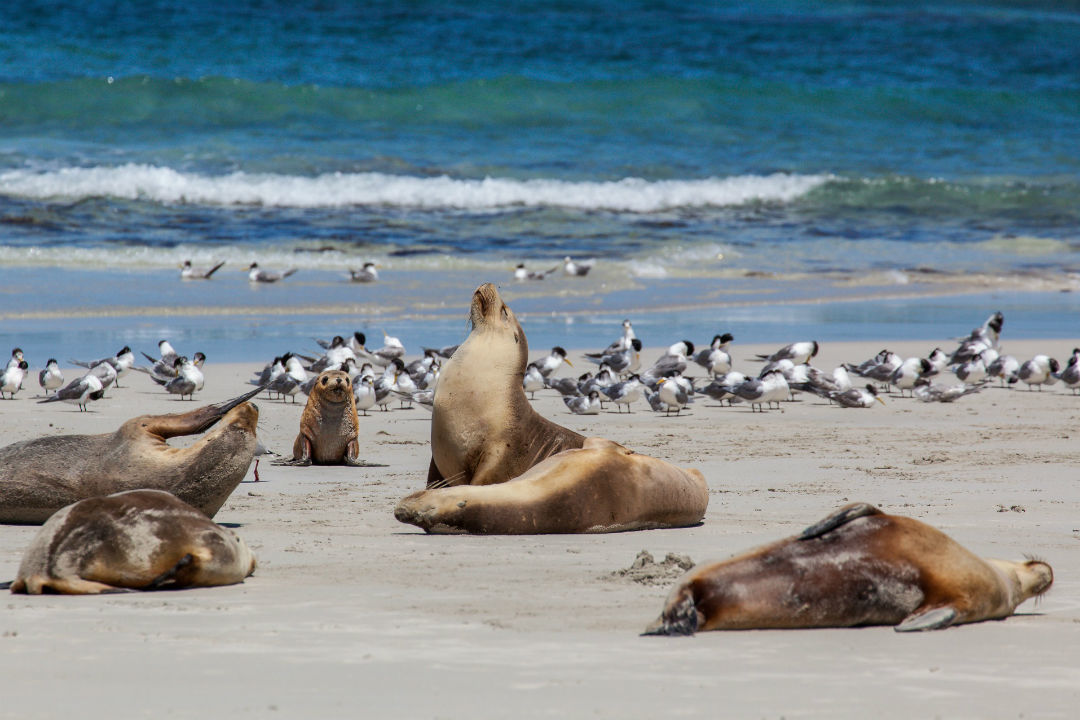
137,540
858,566
483,429
38,477
329,426
600,487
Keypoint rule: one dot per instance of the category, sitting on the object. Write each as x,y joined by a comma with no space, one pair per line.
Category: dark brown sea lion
483,429
138,540
329,426
38,477
600,487
858,566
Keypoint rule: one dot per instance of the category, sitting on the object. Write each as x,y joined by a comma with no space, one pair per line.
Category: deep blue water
657,138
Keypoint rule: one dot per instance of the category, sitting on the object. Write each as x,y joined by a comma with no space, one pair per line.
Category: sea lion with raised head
600,487
329,425
856,567
40,476
133,540
483,429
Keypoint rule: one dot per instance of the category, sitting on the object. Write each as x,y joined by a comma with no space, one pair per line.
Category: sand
352,614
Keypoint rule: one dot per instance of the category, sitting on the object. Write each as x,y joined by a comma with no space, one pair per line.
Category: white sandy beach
352,614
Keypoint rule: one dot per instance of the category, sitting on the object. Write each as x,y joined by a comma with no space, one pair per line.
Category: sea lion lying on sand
600,487
858,566
38,477
138,540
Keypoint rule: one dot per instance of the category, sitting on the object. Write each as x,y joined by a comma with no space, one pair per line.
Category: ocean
779,170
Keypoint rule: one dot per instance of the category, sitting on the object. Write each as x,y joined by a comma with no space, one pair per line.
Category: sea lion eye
504,315
325,380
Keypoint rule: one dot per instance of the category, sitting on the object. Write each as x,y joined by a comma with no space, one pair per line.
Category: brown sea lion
138,540
38,477
600,487
329,426
858,566
483,429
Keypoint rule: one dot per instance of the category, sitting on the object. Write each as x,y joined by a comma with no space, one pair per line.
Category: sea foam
634,195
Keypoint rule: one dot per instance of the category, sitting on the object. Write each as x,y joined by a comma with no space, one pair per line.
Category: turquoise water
677,147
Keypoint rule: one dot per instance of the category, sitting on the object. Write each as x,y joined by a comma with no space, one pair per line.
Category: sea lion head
244,416
490,314
334,386
1035,577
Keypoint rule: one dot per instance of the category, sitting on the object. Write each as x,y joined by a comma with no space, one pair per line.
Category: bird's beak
878,398
567,361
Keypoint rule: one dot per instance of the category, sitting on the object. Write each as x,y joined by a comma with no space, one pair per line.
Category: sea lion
329,426
483,429
40,476
858,566
600,487
138,540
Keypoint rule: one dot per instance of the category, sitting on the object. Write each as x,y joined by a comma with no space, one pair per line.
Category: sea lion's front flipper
170,574
934,619
841,517
196,421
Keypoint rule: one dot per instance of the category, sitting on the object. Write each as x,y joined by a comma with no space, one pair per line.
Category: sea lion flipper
680,617
841,517
170,574
933,619
196,421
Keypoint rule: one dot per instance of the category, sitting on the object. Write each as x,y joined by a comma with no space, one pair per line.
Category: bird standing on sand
364,394
12,378
366,274
188,272
581,405
51,378
79,391
533,380
798,353
625,392
258,275
672,394
553,361
1039,371
121,363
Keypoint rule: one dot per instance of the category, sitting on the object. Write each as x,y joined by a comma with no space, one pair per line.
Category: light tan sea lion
858,566
600,487
137,540
38,477
329,426
483,429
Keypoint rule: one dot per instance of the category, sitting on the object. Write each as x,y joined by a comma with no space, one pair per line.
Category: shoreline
349,606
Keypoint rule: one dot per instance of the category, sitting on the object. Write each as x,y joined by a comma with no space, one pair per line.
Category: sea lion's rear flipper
170,574
841,517
680,617
196,421
40,584
933,619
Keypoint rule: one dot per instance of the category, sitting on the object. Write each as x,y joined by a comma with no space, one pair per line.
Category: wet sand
351,613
